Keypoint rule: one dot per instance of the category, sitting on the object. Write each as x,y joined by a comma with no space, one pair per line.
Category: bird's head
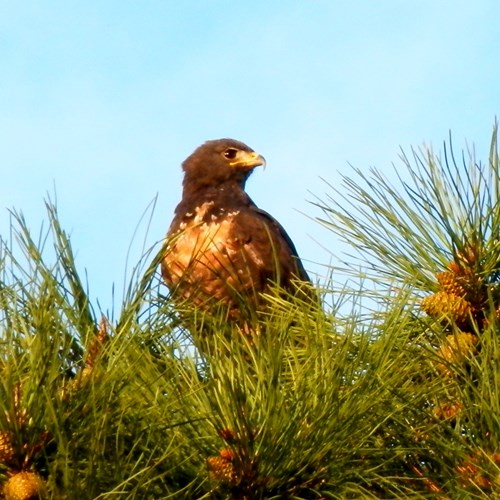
220,161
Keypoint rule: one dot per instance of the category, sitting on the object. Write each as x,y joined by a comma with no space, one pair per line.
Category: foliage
400,401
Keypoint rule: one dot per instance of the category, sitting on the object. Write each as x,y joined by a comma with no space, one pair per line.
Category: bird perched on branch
222,250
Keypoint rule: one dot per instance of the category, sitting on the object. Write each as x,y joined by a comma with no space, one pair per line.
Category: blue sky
105,99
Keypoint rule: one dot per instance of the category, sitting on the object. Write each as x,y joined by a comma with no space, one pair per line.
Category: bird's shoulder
209,207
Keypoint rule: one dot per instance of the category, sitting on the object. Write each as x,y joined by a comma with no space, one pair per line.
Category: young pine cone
450,283
7,452
221,469
442,304
455,349
24,485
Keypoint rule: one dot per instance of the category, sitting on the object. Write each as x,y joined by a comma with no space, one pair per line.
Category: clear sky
105,99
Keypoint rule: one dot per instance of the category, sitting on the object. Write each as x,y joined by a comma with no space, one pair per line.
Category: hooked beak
248,159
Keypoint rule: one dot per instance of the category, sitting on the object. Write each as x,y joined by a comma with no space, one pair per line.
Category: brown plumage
222,250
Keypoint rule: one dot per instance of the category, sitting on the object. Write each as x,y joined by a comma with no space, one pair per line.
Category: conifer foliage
389,391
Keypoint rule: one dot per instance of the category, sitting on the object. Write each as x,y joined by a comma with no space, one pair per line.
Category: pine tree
436,238
390,390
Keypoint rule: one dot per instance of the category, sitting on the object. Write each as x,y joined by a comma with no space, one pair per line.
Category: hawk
221,249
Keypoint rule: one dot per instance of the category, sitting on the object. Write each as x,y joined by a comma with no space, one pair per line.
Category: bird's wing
274,233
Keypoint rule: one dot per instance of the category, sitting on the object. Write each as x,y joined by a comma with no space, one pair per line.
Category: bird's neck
228,192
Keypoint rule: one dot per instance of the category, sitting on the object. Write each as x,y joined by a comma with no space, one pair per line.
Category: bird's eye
230,153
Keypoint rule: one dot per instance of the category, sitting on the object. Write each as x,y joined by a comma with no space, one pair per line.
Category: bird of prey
221,249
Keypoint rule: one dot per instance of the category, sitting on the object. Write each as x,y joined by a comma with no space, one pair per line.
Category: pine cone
227,454
458,346
455,349
448,411
24,485
473,471
221,469
97,343
7,452
450,283
464,279
453,307
81,380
